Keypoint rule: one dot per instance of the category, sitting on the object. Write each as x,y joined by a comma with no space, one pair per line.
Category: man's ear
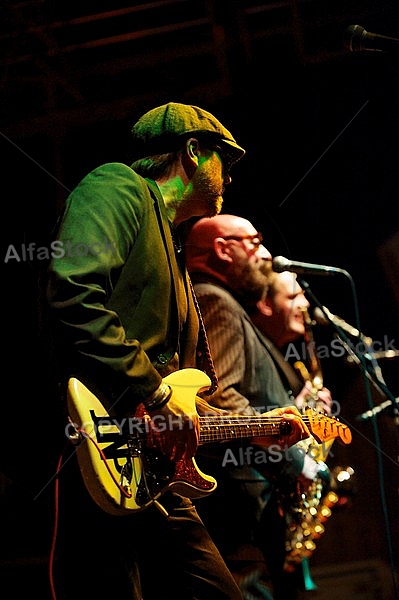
192,151
190,157
265,308
192,146
222,249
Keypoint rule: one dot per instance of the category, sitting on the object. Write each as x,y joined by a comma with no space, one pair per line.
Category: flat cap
160,130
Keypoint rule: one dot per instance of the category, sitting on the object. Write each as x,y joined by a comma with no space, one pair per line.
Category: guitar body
119,458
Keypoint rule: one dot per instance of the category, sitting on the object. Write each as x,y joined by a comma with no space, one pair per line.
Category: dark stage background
320,180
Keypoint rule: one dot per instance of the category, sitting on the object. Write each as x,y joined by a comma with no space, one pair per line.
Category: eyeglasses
256,238
224,157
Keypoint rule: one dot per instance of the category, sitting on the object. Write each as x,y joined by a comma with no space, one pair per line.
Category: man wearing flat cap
125,321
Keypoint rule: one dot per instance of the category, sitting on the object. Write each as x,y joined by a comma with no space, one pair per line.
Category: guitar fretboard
219,428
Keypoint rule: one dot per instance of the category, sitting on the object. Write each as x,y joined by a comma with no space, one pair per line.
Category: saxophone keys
325,513
318,530
310,547
306,530
331,499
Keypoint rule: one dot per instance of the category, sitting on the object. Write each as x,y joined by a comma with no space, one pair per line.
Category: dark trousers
145,555
270,539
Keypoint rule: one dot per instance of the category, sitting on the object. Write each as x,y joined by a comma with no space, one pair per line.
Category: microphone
281,264
375,410
322,317
357,39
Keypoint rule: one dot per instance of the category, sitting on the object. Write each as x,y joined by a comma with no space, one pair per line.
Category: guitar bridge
126,477
157,473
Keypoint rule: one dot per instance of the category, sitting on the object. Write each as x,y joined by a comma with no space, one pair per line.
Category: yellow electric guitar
120,459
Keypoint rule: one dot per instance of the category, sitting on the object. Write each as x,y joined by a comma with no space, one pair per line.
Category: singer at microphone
281,264
357,39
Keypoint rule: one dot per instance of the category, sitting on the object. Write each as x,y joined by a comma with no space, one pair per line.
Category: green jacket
122,316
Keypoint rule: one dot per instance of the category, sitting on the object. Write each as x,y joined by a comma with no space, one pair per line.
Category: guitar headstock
326,428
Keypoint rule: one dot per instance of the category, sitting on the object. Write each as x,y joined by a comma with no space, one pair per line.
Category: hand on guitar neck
295,430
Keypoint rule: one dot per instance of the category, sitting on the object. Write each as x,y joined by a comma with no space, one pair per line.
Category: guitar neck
220,428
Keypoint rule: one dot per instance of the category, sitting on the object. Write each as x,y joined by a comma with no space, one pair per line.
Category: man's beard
216,206
252,283
211,192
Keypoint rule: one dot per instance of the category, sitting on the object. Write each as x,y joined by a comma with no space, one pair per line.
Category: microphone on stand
375,410
281,264
322,317
357,39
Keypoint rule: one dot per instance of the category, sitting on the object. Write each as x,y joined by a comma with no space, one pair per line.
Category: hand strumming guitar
178,422
178,425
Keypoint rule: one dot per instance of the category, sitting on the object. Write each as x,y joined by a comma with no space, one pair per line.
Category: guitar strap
204,352
204,358
174,328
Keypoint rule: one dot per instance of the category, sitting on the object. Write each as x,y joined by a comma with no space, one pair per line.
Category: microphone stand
368,365
374,375
370,376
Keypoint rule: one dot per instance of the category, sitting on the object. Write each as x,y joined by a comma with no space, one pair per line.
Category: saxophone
306,513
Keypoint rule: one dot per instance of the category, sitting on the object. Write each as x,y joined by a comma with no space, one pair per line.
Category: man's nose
264,253
227,179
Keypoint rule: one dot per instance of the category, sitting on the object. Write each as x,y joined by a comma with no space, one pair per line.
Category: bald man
230,267
231,271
